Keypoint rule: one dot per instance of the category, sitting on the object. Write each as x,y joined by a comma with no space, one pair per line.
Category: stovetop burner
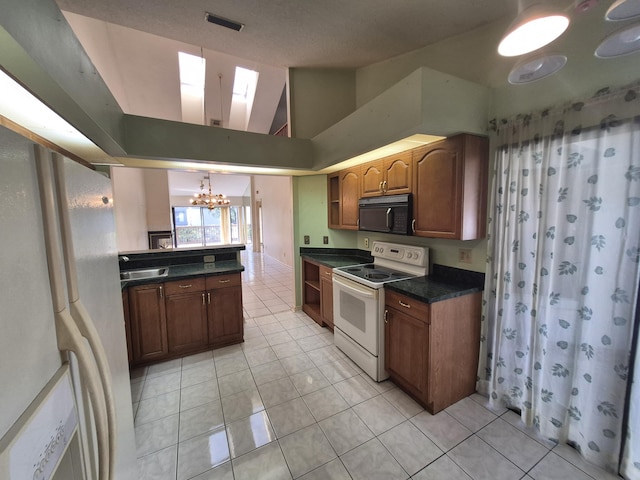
375,273
392,262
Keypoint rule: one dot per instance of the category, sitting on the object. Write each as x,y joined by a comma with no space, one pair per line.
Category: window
201,227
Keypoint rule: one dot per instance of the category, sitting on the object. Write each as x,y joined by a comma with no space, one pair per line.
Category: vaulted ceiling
134,45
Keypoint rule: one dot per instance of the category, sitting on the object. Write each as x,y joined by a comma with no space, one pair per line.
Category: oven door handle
388,219
353,287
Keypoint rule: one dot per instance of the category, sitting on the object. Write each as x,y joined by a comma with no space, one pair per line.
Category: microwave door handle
388,220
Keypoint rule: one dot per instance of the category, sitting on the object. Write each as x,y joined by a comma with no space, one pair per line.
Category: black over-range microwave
386,214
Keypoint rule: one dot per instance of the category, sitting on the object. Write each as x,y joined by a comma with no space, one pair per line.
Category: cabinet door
224,315
406,351
397,174
437,188
148,322
186,322
349,196
326,296
372,179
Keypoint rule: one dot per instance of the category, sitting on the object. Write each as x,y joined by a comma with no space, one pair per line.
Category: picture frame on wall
161,239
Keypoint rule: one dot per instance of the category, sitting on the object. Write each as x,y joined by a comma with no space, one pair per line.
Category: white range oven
358,301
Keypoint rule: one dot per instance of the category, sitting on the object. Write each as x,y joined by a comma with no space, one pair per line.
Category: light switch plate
306,240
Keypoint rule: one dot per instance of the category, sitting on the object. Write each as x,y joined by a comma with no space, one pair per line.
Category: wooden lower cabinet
182,317
326,296
431,350
224,310
148,323
186,311
317,292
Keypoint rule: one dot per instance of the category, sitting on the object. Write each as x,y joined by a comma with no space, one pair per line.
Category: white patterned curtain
563,272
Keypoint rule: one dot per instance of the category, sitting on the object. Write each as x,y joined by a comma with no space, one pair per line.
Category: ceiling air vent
215,123
223,22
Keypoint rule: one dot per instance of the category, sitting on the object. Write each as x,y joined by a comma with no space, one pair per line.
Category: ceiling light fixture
535,26
534,68
621,42
208,199
623,10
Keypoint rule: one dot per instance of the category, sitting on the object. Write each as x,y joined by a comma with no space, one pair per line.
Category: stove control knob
409,255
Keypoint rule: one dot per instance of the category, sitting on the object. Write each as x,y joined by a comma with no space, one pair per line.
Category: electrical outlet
366,242
306,240
325,240
464,255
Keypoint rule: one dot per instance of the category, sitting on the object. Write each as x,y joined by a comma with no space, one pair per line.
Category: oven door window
356,312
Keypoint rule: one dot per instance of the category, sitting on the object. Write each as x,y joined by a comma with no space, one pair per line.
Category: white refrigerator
65,398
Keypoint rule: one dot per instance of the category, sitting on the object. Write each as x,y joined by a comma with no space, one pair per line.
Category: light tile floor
288,404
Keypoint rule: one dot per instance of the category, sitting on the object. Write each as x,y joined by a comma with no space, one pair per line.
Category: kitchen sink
144,273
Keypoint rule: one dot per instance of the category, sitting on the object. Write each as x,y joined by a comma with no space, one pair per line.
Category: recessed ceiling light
623,10
621,42
535,27
535,68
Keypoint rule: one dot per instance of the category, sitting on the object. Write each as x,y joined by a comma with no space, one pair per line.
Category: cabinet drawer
188,285
222,281
326,273
410,306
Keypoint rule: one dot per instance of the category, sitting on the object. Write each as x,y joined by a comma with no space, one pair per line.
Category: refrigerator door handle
68,334
70,339
77,309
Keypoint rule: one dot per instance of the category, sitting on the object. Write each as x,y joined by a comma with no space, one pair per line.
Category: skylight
192,75
244,92
244,82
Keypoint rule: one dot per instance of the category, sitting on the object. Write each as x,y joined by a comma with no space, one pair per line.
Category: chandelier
208,199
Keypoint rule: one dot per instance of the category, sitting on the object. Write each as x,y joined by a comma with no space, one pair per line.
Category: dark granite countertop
431,290
336,257
178,272
442,284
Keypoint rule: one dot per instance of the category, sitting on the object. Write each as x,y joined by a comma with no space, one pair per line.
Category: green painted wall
310,218
319,98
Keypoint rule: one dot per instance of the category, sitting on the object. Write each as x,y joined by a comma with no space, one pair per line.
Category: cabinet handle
209,298
203,299
224,281
380,186
161,292
185,286
385,316
384,187
402,304
413,225
327,273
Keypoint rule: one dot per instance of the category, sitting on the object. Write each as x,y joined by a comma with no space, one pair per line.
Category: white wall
130,208
276,195
156,186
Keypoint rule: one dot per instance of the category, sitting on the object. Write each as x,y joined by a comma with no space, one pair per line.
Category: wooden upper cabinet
372,179
387,176
333,199
450,188
349,196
